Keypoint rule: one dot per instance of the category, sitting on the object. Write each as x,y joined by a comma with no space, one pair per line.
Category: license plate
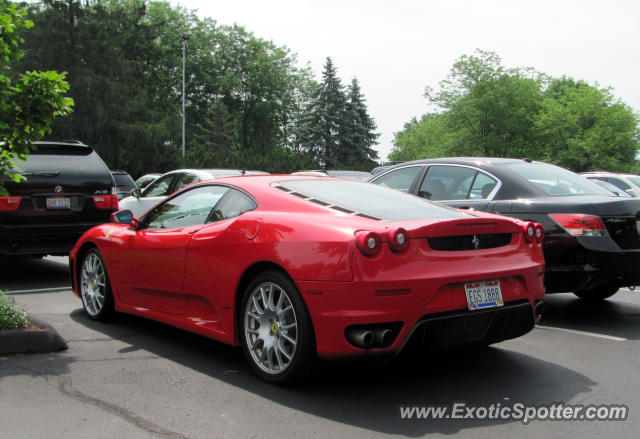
58,203
483,294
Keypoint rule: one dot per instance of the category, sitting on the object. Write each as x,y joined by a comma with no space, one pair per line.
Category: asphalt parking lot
134,378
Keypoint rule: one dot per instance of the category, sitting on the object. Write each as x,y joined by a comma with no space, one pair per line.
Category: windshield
635,180
556,181
370,199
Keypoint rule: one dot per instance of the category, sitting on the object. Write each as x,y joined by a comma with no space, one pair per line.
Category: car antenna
528,160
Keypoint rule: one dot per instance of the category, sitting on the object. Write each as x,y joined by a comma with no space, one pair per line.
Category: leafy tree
125,67
488,110
584,128
28,101
428,137
492,108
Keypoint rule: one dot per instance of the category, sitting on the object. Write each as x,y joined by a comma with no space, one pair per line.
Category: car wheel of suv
596,294
276,332
95,288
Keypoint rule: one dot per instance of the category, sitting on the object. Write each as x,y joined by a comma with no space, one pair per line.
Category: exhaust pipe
384,337
362,338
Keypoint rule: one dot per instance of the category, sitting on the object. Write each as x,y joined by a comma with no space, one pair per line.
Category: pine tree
360,135
325,120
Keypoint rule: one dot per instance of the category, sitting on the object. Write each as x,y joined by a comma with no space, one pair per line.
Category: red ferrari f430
296,267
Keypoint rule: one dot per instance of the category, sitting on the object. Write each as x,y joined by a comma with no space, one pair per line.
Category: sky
396,48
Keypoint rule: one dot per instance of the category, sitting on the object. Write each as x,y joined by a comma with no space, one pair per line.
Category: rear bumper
41,239
417,308
594,268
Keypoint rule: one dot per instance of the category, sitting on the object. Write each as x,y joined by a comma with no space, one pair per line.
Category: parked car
611,188
142,200
146,179
67,190
592,242
293,266
627,182
124,183
353,175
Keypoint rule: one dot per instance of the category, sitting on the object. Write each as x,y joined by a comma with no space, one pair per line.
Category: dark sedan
592,237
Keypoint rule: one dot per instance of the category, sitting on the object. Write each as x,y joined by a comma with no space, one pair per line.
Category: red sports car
290,267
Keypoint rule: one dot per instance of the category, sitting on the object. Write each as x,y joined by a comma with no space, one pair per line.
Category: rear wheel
276,332
596,294
95,288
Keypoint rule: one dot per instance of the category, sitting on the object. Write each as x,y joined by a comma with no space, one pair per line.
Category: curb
31,342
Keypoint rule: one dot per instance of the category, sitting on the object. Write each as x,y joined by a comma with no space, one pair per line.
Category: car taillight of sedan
578,224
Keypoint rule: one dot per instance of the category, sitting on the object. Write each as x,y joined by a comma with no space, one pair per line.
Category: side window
400,179
617,182
188,209
185,180
482,187
160,187
233,204
444,182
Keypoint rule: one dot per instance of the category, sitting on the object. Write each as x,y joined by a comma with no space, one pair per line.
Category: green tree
492,108
337,130
360,135
585,128
28,101
125,67
325,120
428,137
488,110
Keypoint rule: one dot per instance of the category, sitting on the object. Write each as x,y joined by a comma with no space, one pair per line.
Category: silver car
140,201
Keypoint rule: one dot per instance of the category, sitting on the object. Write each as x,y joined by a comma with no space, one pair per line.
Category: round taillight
368,243
398,240
539,233
529,232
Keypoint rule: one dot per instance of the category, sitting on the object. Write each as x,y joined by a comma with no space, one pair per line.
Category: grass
12,316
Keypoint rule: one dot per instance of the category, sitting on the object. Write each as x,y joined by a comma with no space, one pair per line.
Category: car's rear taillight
539,233
398,240
106,201
9,203
369,243
578,224
533,232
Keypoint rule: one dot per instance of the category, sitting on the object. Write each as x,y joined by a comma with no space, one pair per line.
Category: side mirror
632,192
123,217
136,192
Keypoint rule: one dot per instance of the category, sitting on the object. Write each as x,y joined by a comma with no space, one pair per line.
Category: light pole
185,37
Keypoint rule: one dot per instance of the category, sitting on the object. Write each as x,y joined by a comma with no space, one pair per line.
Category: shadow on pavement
361,394
618,316
24,273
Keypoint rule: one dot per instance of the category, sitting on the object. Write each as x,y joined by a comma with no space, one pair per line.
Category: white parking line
41,290
587,333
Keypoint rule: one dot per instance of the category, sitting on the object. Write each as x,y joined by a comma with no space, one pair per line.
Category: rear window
124,180
370,199
556,181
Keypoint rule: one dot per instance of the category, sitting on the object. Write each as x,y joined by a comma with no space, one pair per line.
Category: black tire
275,329
597,294
95,287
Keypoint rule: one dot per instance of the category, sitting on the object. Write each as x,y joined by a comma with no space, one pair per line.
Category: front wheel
95,288
277,336
596,294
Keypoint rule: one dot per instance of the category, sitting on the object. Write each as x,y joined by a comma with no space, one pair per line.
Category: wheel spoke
289,339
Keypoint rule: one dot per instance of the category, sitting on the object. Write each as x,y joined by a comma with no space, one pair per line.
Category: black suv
68,190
